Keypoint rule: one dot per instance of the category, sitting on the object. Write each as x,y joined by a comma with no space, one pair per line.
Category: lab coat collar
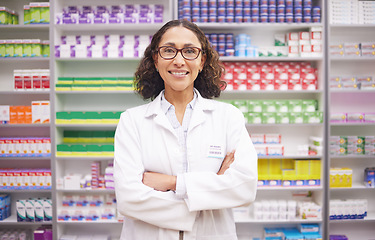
202,104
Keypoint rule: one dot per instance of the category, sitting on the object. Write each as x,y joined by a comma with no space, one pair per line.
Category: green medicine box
268,118
45,48
44,12
241,105
309,105
26,14
254,117
9,48
2,48
36,48
34,12
282,106
268,106
255,106
295,105
18,48
282,117
4,15
26,48
295,117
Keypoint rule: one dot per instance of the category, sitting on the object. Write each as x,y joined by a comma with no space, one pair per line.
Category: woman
183,160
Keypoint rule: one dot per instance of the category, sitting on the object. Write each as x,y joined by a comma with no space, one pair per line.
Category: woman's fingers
228,160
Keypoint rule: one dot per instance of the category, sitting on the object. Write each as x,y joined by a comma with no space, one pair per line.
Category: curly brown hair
148,82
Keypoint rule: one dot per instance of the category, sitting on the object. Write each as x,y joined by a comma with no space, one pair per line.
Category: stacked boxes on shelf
352,82
350,49
95,84
94,207
116,14
353,117
102,46
352,145
224,11
294,111
24,48
38,112
87,117
288,172
31,79
340,177
268,144
348,209
8,16
36,13
25,147
86,143
270,76
34,210
352,12
20,179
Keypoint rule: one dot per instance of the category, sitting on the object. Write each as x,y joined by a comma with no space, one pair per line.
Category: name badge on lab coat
215,151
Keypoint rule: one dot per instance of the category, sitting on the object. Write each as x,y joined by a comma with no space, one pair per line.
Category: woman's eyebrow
173,44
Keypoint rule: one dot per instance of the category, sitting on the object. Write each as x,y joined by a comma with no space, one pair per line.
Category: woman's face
179,73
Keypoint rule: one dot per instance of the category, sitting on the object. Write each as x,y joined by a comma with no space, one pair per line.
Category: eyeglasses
189,53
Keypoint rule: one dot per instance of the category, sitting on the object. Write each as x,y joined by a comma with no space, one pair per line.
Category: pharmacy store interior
300,71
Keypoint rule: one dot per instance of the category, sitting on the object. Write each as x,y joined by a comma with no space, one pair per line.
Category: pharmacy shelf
285,125
24,59
94,92
25,190
24,28
25,92
108,27
364,26
270,59
267,26
273,92
90,222
85,158
370,218
307,157
118,59
25,158
355,186
12,220
352,157
350,59
87,125
257,221
351,91
33,125
85,190
364,124
312,188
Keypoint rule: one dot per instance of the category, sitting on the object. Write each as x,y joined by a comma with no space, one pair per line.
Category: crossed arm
163,182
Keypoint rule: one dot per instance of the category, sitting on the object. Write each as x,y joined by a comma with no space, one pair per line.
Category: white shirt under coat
146,141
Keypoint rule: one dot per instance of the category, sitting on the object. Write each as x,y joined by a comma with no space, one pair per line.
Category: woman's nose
179,59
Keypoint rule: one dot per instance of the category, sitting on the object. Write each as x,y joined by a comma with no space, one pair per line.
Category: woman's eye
169,50
190,50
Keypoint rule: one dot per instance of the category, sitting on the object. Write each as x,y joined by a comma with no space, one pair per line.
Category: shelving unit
351,100
262,34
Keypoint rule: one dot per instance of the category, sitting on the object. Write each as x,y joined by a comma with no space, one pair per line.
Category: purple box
85,19
117,9
130,8
57,51
101,18
67,18
101,9
158,8
115,18
87,9
144,19
130,18
158,18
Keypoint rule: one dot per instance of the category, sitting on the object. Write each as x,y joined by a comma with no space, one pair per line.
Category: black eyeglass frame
179,50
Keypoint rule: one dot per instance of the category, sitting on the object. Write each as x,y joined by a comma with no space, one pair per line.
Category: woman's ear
155,58
203,60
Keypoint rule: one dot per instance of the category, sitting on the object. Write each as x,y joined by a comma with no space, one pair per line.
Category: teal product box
47,209
21,210
39,211
30,210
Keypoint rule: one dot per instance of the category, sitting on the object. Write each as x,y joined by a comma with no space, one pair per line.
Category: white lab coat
146,141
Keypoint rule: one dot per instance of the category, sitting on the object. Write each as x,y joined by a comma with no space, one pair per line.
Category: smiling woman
183,160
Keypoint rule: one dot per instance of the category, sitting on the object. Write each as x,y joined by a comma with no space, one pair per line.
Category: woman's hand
228,160
159,181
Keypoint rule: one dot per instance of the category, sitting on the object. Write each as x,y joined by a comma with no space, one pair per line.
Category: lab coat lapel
199,113
154,111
